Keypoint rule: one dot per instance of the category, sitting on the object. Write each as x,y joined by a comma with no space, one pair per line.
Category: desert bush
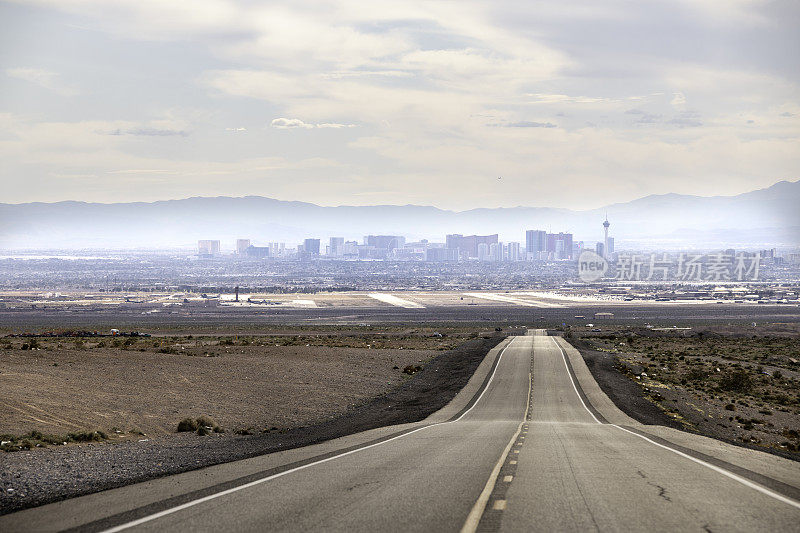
206,424
203,425
206,421
695,374
782,399
87,436
187,424
412,369
736,381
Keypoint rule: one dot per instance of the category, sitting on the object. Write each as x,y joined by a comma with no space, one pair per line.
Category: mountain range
768,217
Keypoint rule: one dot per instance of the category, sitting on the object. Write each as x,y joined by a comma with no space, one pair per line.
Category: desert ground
736,383
211,399
58,389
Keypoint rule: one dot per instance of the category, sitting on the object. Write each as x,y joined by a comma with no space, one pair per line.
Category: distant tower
606,224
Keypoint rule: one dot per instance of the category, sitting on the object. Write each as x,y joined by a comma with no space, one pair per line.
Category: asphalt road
222,319
490,460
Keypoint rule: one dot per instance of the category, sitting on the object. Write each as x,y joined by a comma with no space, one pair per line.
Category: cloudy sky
455,104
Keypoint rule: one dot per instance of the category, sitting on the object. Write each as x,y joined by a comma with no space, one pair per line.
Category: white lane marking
474,517
499,505
508,479
569,374
722,471
160,514
488,382
394,300
731,475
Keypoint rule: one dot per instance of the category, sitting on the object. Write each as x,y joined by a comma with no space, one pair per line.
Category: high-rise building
441,254
241,246
257,251
336,247
606,249
559,252
207,248
311,246
610,246
600,249
512,251
277,249
483,251
559,245
468,246
535,244
496,251
351,248
385,242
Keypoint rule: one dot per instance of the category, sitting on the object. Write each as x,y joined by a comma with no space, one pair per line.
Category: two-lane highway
490,460
578,473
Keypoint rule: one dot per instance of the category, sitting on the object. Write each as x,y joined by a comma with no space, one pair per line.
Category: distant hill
764,217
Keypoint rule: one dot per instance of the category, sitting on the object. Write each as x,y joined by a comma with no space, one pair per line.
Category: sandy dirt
57,391
34,477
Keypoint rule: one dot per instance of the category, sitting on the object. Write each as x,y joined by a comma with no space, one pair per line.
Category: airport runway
489,461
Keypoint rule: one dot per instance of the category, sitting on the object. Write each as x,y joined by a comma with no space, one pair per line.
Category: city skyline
539,245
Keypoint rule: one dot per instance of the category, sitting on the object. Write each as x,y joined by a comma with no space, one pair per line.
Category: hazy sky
574,104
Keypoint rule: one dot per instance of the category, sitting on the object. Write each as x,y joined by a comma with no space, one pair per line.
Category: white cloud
563,98
678,100
410,89
296,123
523,124
290,123
43,78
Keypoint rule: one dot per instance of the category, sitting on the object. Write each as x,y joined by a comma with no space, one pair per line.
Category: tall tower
606,224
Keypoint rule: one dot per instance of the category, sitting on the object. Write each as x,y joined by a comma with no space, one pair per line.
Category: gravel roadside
625,394
629,397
